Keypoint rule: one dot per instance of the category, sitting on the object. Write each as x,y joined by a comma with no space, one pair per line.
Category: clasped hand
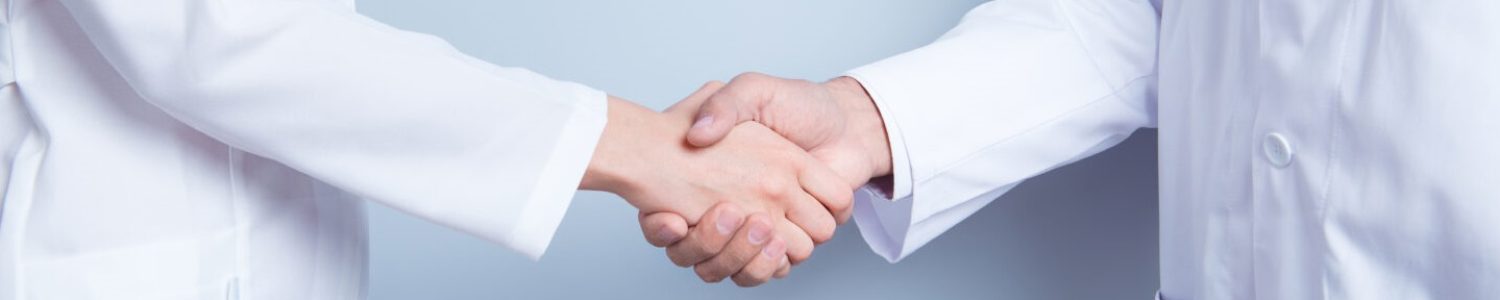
769,180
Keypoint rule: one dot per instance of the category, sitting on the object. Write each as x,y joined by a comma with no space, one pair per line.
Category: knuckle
749,280
774,189
656,242
821,235
799,255
750,77
687,255
698,249
712,84
709,273
843,216
838,217
679,260
843,202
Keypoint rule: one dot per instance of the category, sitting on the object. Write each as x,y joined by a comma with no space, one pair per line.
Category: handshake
742,180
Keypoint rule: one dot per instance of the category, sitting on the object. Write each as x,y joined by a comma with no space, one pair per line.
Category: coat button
1278,151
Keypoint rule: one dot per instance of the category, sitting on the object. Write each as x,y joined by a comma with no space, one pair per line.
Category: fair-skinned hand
836,121
776,197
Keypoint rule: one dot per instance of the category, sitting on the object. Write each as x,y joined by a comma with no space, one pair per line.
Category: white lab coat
1308,149
184,149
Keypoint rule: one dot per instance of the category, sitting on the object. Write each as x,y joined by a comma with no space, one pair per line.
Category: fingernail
666,234
729,220
776,248
703,121
759,233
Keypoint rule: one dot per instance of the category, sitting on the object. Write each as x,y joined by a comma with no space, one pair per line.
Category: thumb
719,114
691,103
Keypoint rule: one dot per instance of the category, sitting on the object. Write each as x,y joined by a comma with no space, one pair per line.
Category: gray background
1086,231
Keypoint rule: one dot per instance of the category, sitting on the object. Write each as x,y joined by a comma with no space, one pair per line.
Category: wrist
864,123
615,166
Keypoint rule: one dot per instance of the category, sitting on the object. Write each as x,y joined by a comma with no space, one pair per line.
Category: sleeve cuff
558,182
882,223
883,214
901,179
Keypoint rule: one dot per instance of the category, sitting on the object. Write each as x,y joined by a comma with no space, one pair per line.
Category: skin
766,201
836,121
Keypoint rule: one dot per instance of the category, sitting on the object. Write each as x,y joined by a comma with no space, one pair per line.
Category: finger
663,228
741,250
832,190
708,238
799,246
786,269
766,263
811,216
728,107
690,104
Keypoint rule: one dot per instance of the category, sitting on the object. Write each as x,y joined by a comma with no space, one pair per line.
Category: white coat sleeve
1018,88
396,117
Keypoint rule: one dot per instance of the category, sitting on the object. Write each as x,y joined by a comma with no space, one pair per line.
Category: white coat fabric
1308,149
185,149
